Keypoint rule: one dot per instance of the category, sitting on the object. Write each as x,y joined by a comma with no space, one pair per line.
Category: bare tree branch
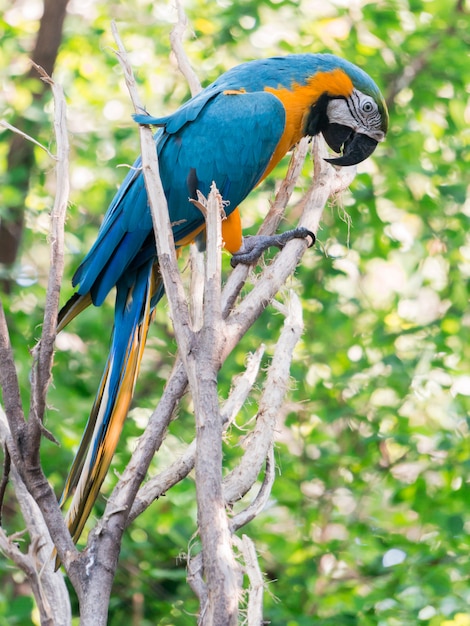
5,478
43,352
48,586
10,385
195,579
276,212
13,129
255,577
23,438
240,480
257,506
220,567
176,40
184,65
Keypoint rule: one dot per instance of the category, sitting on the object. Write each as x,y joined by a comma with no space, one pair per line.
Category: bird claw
254,246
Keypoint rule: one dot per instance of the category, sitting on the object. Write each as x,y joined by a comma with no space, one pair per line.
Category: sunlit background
369,517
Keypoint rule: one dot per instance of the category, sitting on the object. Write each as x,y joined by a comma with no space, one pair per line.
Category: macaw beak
356,146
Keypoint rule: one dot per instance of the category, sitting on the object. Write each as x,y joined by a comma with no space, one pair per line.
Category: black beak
356,146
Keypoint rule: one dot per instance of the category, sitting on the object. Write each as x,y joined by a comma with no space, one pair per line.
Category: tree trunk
20,158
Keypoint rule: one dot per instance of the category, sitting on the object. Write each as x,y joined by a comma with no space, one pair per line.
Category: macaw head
351,114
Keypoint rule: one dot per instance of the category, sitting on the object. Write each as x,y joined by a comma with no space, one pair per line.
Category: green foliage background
369,517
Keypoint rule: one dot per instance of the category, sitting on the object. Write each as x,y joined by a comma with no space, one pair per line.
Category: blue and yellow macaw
234,133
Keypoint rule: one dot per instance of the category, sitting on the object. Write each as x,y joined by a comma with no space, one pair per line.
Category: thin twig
255,577
196,290
259,503
286,188
23,438
41,372
10,387
196,255
16,130
5,478
195,578
176,40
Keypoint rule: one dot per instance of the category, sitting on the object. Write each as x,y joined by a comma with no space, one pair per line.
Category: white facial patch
360,112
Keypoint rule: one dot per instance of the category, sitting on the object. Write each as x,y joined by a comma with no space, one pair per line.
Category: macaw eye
368,106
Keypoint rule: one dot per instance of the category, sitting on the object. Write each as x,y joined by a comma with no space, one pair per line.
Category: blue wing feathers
219,147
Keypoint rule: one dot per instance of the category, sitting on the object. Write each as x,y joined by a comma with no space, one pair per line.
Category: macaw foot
254,246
